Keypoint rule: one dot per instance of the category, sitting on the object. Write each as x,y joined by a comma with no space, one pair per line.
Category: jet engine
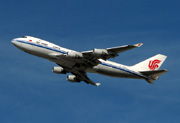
100,52
74,54
72,78
58,70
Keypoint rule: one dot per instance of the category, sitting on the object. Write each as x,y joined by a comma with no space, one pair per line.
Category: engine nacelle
58,70
72,78
100,52
72,54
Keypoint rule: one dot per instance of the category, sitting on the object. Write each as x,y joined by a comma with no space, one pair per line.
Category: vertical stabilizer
151,64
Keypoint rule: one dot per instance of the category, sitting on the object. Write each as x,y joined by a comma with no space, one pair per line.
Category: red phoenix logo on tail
154,64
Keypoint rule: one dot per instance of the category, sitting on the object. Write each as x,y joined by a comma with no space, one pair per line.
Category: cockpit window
24,37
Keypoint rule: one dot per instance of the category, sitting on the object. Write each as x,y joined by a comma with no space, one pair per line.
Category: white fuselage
44,49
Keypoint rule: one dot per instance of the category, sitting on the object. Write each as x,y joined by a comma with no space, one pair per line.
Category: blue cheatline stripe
105,64
60,51
125,70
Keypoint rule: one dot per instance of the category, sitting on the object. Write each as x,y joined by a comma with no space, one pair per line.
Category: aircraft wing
83,77
123,48
109,52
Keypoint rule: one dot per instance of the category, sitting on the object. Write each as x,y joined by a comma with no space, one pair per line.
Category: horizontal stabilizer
154,74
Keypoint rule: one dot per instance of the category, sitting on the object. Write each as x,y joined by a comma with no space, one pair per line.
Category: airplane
92,61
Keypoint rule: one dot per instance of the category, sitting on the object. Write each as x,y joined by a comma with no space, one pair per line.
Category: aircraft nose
14,42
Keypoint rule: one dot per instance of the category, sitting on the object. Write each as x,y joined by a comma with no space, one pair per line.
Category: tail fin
151,64
150,67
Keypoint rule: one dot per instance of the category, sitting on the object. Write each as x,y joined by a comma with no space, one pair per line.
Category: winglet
138,45
98,84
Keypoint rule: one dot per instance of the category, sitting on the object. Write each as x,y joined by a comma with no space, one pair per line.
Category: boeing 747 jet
93,61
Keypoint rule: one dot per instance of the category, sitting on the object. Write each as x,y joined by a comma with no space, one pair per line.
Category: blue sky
30,92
